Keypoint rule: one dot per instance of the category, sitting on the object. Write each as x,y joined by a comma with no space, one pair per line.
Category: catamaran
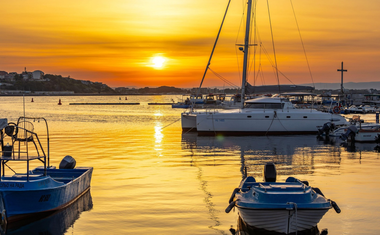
260,116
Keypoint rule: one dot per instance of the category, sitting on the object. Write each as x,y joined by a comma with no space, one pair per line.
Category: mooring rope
171,123
295,209
303,46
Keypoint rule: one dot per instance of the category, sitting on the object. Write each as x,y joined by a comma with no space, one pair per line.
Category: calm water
150,178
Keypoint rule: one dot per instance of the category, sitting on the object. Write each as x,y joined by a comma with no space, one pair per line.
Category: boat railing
262,186
20,147
25,145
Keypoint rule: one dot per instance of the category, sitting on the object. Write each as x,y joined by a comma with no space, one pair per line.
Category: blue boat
41,190
282,207
57,222
181,105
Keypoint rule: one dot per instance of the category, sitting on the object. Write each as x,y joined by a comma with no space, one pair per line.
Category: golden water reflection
150,178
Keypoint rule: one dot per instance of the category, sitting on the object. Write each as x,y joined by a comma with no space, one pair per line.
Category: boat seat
63,179
292,179
25,175
25,133
248,183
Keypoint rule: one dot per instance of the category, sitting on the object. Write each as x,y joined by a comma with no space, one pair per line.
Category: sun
158,62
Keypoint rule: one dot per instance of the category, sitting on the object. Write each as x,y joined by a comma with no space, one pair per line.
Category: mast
213,48
246,48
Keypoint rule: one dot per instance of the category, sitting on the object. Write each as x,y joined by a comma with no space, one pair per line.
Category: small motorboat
181,105
286,207
363,133
42,190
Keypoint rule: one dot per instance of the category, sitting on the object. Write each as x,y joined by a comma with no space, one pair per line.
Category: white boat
355,131
260,116
283,207
369,109
264,116
363,133
356,109
189,121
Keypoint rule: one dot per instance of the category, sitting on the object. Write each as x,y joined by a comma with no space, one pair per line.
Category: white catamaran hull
282,221
189,122
261,122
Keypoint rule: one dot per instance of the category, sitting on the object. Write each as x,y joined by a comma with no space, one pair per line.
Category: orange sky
116,41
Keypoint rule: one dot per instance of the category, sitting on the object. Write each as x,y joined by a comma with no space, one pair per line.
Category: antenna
23,101
341,83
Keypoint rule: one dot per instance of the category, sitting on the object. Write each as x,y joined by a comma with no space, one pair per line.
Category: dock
160,103
104,104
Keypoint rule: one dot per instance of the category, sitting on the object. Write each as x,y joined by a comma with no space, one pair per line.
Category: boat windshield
264,105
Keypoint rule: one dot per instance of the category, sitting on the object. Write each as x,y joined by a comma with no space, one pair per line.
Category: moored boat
264,116
180,105
365,133
355,131
43,189
260,116
283,207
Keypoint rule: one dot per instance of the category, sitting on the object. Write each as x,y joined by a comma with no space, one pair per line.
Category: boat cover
3,123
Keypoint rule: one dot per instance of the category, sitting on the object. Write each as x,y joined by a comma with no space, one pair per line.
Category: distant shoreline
85,94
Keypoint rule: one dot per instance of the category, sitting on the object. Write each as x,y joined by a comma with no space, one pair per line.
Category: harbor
149,176
193,117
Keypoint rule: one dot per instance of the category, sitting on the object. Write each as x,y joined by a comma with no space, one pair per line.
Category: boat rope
213,48
274,66
189,130
237,38
253,62
295,209
223,79
274,116
170,123
213,126
303,46
274,50
260,69
281,123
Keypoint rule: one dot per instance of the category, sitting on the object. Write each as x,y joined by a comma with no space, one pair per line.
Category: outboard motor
270,173
377,139
67,162
351,132
326,128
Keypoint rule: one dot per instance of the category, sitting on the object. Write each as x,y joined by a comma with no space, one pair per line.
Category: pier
160,103
104,104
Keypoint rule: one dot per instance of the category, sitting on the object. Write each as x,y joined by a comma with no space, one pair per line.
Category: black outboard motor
377,139
326,128
351,132
67,162
270,173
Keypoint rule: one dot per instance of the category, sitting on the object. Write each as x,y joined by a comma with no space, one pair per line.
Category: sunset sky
165,42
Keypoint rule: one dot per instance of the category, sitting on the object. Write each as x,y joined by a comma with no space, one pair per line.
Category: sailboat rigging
260,116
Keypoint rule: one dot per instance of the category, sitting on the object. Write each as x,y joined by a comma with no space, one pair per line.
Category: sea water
151,178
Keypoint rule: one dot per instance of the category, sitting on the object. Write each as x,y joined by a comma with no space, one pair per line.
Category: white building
38,75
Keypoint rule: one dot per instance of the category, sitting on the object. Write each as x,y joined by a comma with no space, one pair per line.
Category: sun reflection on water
158,136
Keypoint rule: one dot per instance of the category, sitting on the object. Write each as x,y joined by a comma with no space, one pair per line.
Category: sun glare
158,62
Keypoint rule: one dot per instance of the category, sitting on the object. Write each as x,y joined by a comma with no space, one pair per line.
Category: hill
59,83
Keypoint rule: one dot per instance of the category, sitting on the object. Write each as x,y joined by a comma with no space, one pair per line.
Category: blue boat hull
180,106
55,222
61,187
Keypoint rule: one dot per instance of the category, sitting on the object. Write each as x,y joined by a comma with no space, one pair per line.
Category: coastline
86,94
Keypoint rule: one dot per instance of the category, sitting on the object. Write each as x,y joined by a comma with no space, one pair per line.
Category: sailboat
260,116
